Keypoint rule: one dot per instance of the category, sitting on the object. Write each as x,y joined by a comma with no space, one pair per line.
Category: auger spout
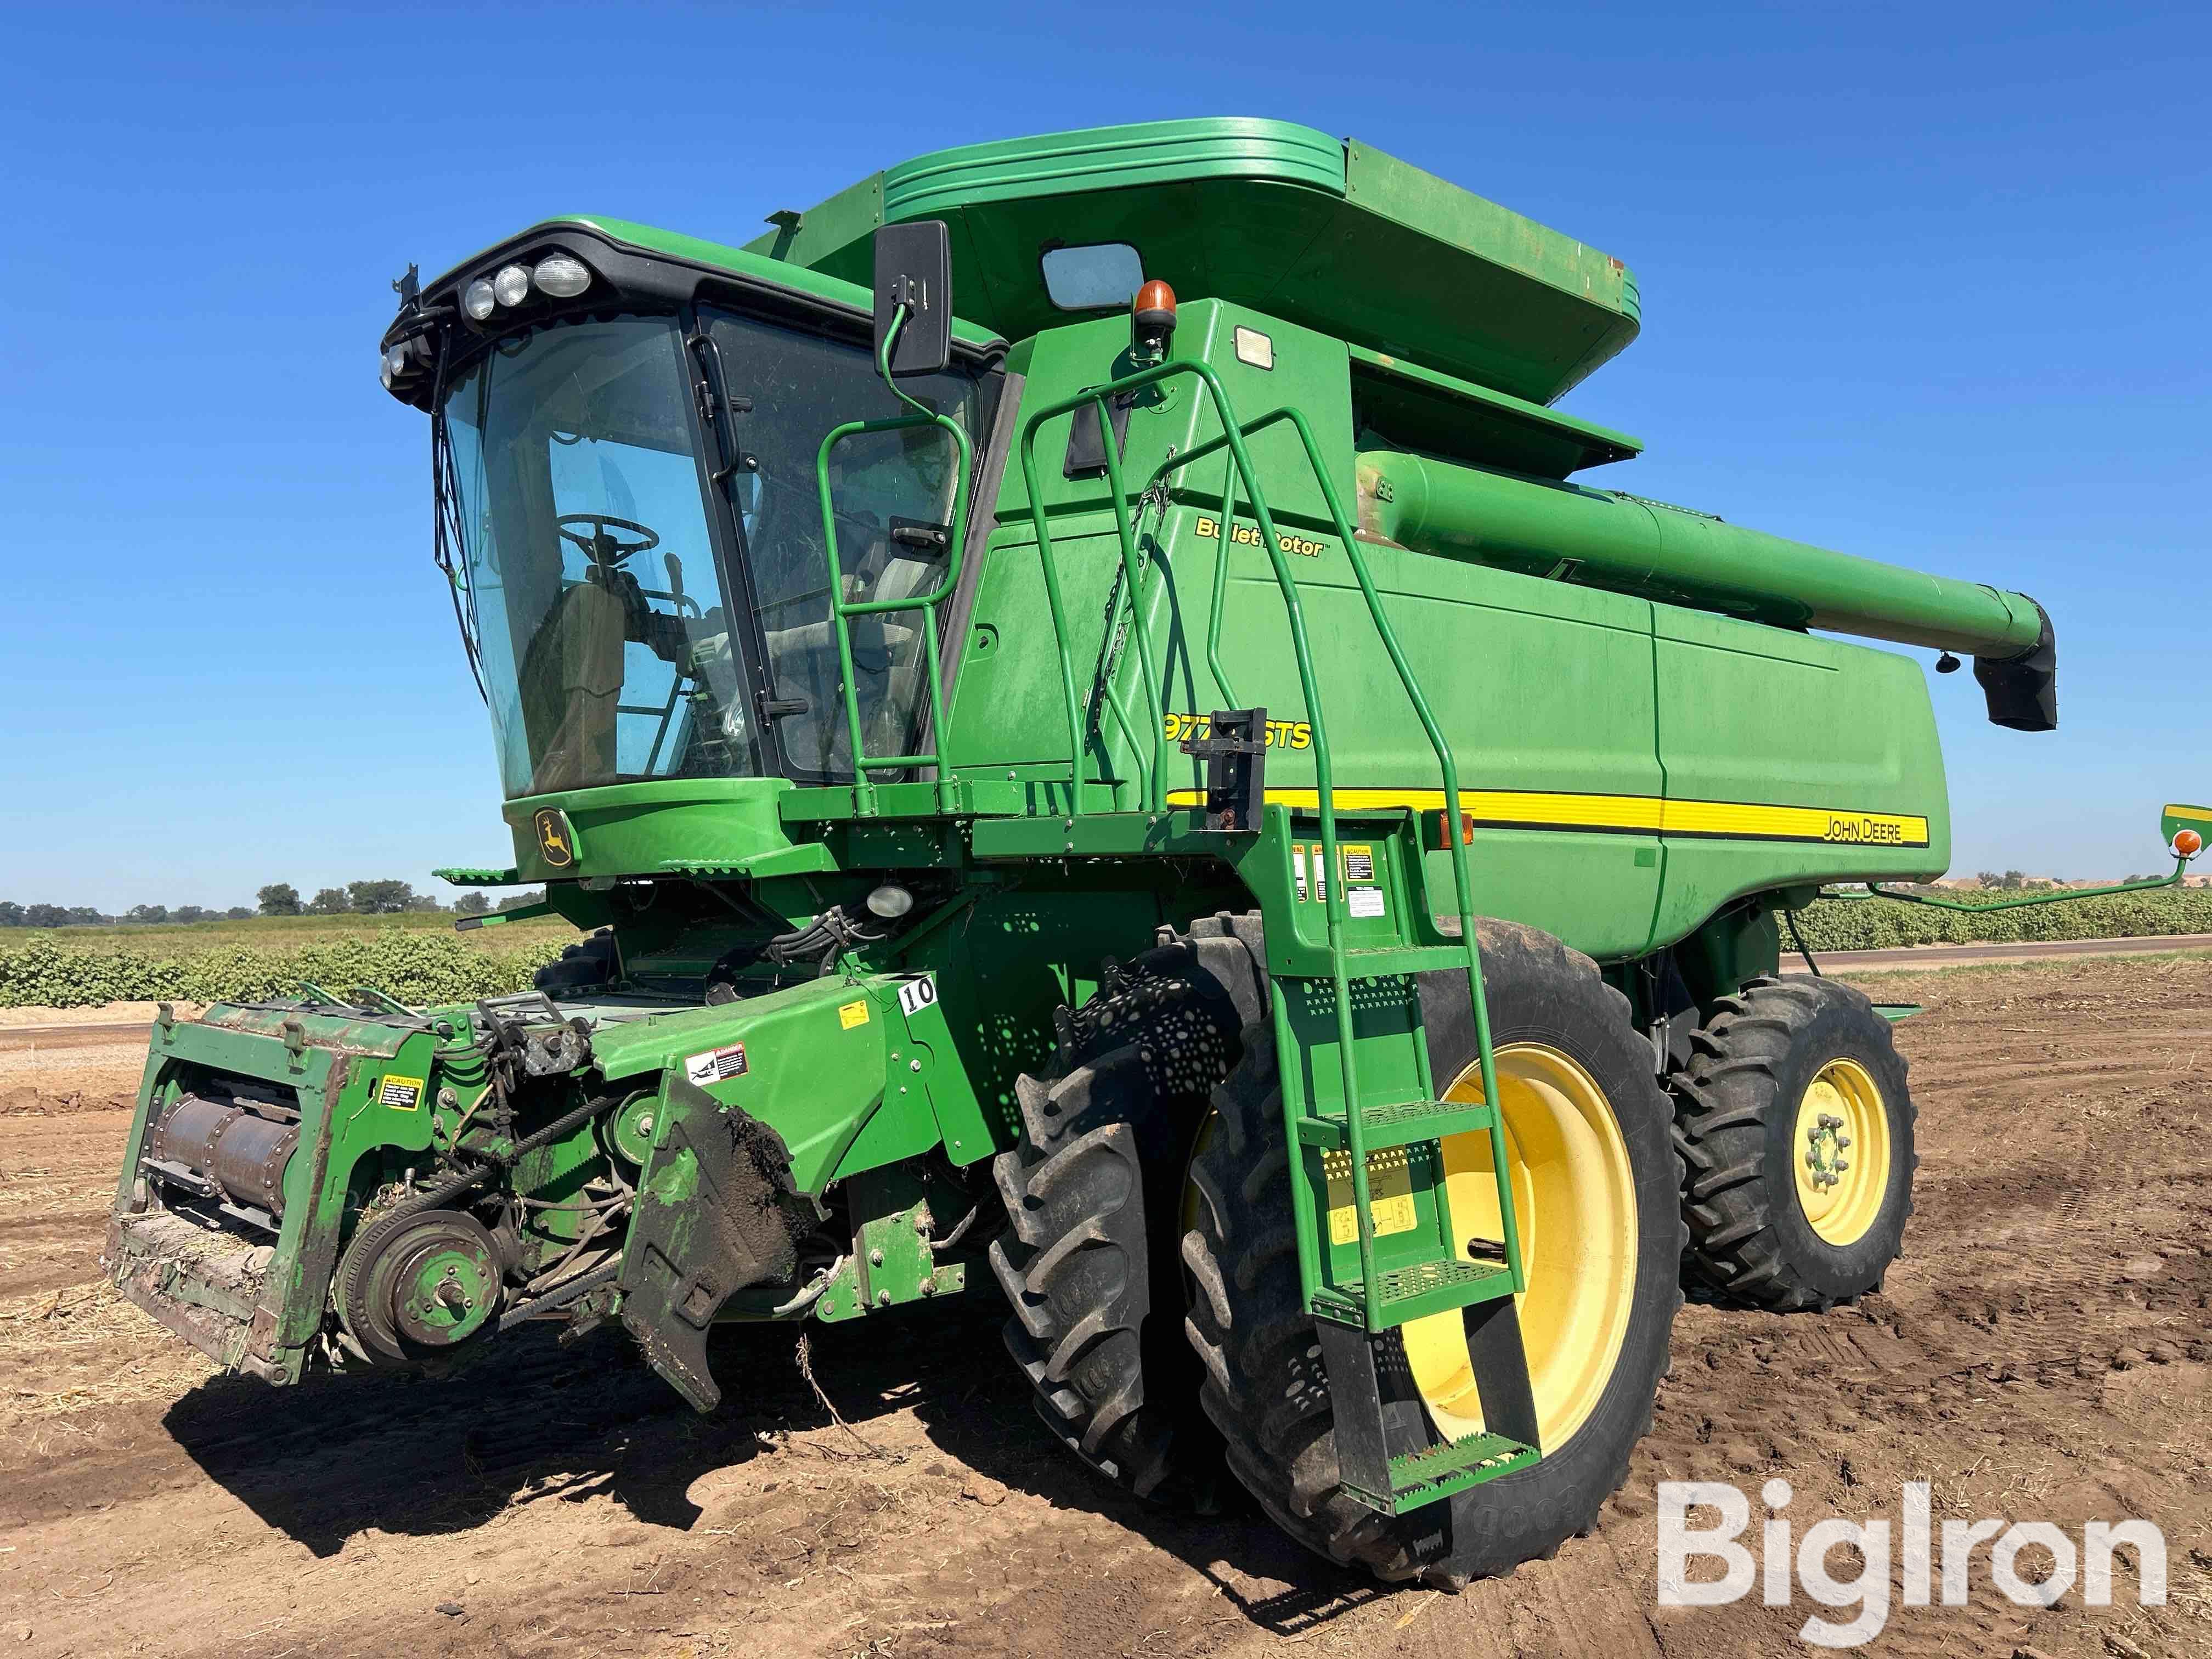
1604,539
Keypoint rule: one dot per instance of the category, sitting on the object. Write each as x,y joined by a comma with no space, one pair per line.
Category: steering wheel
601,546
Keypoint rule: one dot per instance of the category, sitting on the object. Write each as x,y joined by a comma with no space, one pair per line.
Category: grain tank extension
1102,760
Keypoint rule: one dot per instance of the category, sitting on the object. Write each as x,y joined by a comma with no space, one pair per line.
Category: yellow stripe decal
1621,814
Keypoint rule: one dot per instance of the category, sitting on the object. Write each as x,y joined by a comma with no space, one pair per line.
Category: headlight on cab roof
511,286
560,276
479,299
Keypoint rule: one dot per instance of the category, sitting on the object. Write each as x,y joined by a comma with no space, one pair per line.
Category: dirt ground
2041,1354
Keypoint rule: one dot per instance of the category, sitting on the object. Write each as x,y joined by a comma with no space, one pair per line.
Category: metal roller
239,1152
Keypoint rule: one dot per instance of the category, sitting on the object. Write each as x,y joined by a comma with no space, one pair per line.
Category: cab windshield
602,627
632,620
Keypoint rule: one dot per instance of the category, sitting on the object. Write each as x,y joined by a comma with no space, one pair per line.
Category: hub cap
1839,1152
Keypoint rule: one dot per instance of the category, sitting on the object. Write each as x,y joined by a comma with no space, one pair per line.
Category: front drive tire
1266,1389
1094,1190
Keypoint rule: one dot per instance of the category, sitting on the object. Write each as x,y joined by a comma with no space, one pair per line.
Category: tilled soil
2040,1354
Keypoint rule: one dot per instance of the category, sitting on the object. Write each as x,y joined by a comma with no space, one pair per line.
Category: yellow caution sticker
852,1013
401,1094
1390,1195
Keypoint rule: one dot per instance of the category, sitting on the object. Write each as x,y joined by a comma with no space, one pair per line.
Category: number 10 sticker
917,994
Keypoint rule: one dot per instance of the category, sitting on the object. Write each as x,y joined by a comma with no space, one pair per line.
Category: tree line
278,898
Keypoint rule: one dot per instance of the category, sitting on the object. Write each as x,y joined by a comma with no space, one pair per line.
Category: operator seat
571,682
887,664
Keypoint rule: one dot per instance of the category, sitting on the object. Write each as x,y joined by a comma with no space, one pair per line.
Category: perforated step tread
1374,962
1424,1477
1403,1123
1414,1292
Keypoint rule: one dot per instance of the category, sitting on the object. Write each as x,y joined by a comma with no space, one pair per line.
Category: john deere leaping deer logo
557,842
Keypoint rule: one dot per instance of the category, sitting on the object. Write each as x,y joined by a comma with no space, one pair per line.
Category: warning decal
401,1094
852,1014
716,1065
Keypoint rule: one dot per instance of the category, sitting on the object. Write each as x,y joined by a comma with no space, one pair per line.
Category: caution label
716,1065
401,1094
1389,1194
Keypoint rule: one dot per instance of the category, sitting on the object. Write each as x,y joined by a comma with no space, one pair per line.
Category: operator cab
632,516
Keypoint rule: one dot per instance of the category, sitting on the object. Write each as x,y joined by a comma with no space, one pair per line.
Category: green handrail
1221,587
841,610
1462,880
1232,438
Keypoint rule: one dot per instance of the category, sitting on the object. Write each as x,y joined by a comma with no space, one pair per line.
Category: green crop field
1883,925
416,957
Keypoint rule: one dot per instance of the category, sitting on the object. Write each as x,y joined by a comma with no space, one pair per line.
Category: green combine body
1065,795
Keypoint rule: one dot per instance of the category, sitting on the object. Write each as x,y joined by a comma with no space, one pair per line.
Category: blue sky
1925,284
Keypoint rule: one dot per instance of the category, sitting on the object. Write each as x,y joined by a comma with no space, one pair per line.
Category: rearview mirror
913,269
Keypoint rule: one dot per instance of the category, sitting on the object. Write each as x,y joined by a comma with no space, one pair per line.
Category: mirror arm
883,363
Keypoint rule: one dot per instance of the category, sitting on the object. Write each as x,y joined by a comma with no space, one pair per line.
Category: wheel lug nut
1842,1165
1842,1141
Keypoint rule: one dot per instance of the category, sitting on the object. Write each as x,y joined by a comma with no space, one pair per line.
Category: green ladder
1391,1457
865,801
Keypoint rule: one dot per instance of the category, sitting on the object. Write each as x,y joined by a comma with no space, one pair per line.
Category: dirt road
2040,1354
1846,963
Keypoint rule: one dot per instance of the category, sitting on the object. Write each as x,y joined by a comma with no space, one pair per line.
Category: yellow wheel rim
1574,1196
1839,1151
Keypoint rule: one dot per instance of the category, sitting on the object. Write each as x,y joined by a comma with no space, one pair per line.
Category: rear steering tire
1587,1128
1797,1129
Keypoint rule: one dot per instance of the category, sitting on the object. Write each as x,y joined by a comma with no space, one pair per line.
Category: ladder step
1414,1292
1404,1123
1376,962
1424,1477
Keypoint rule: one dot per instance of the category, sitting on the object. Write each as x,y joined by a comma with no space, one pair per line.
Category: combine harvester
1155,795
